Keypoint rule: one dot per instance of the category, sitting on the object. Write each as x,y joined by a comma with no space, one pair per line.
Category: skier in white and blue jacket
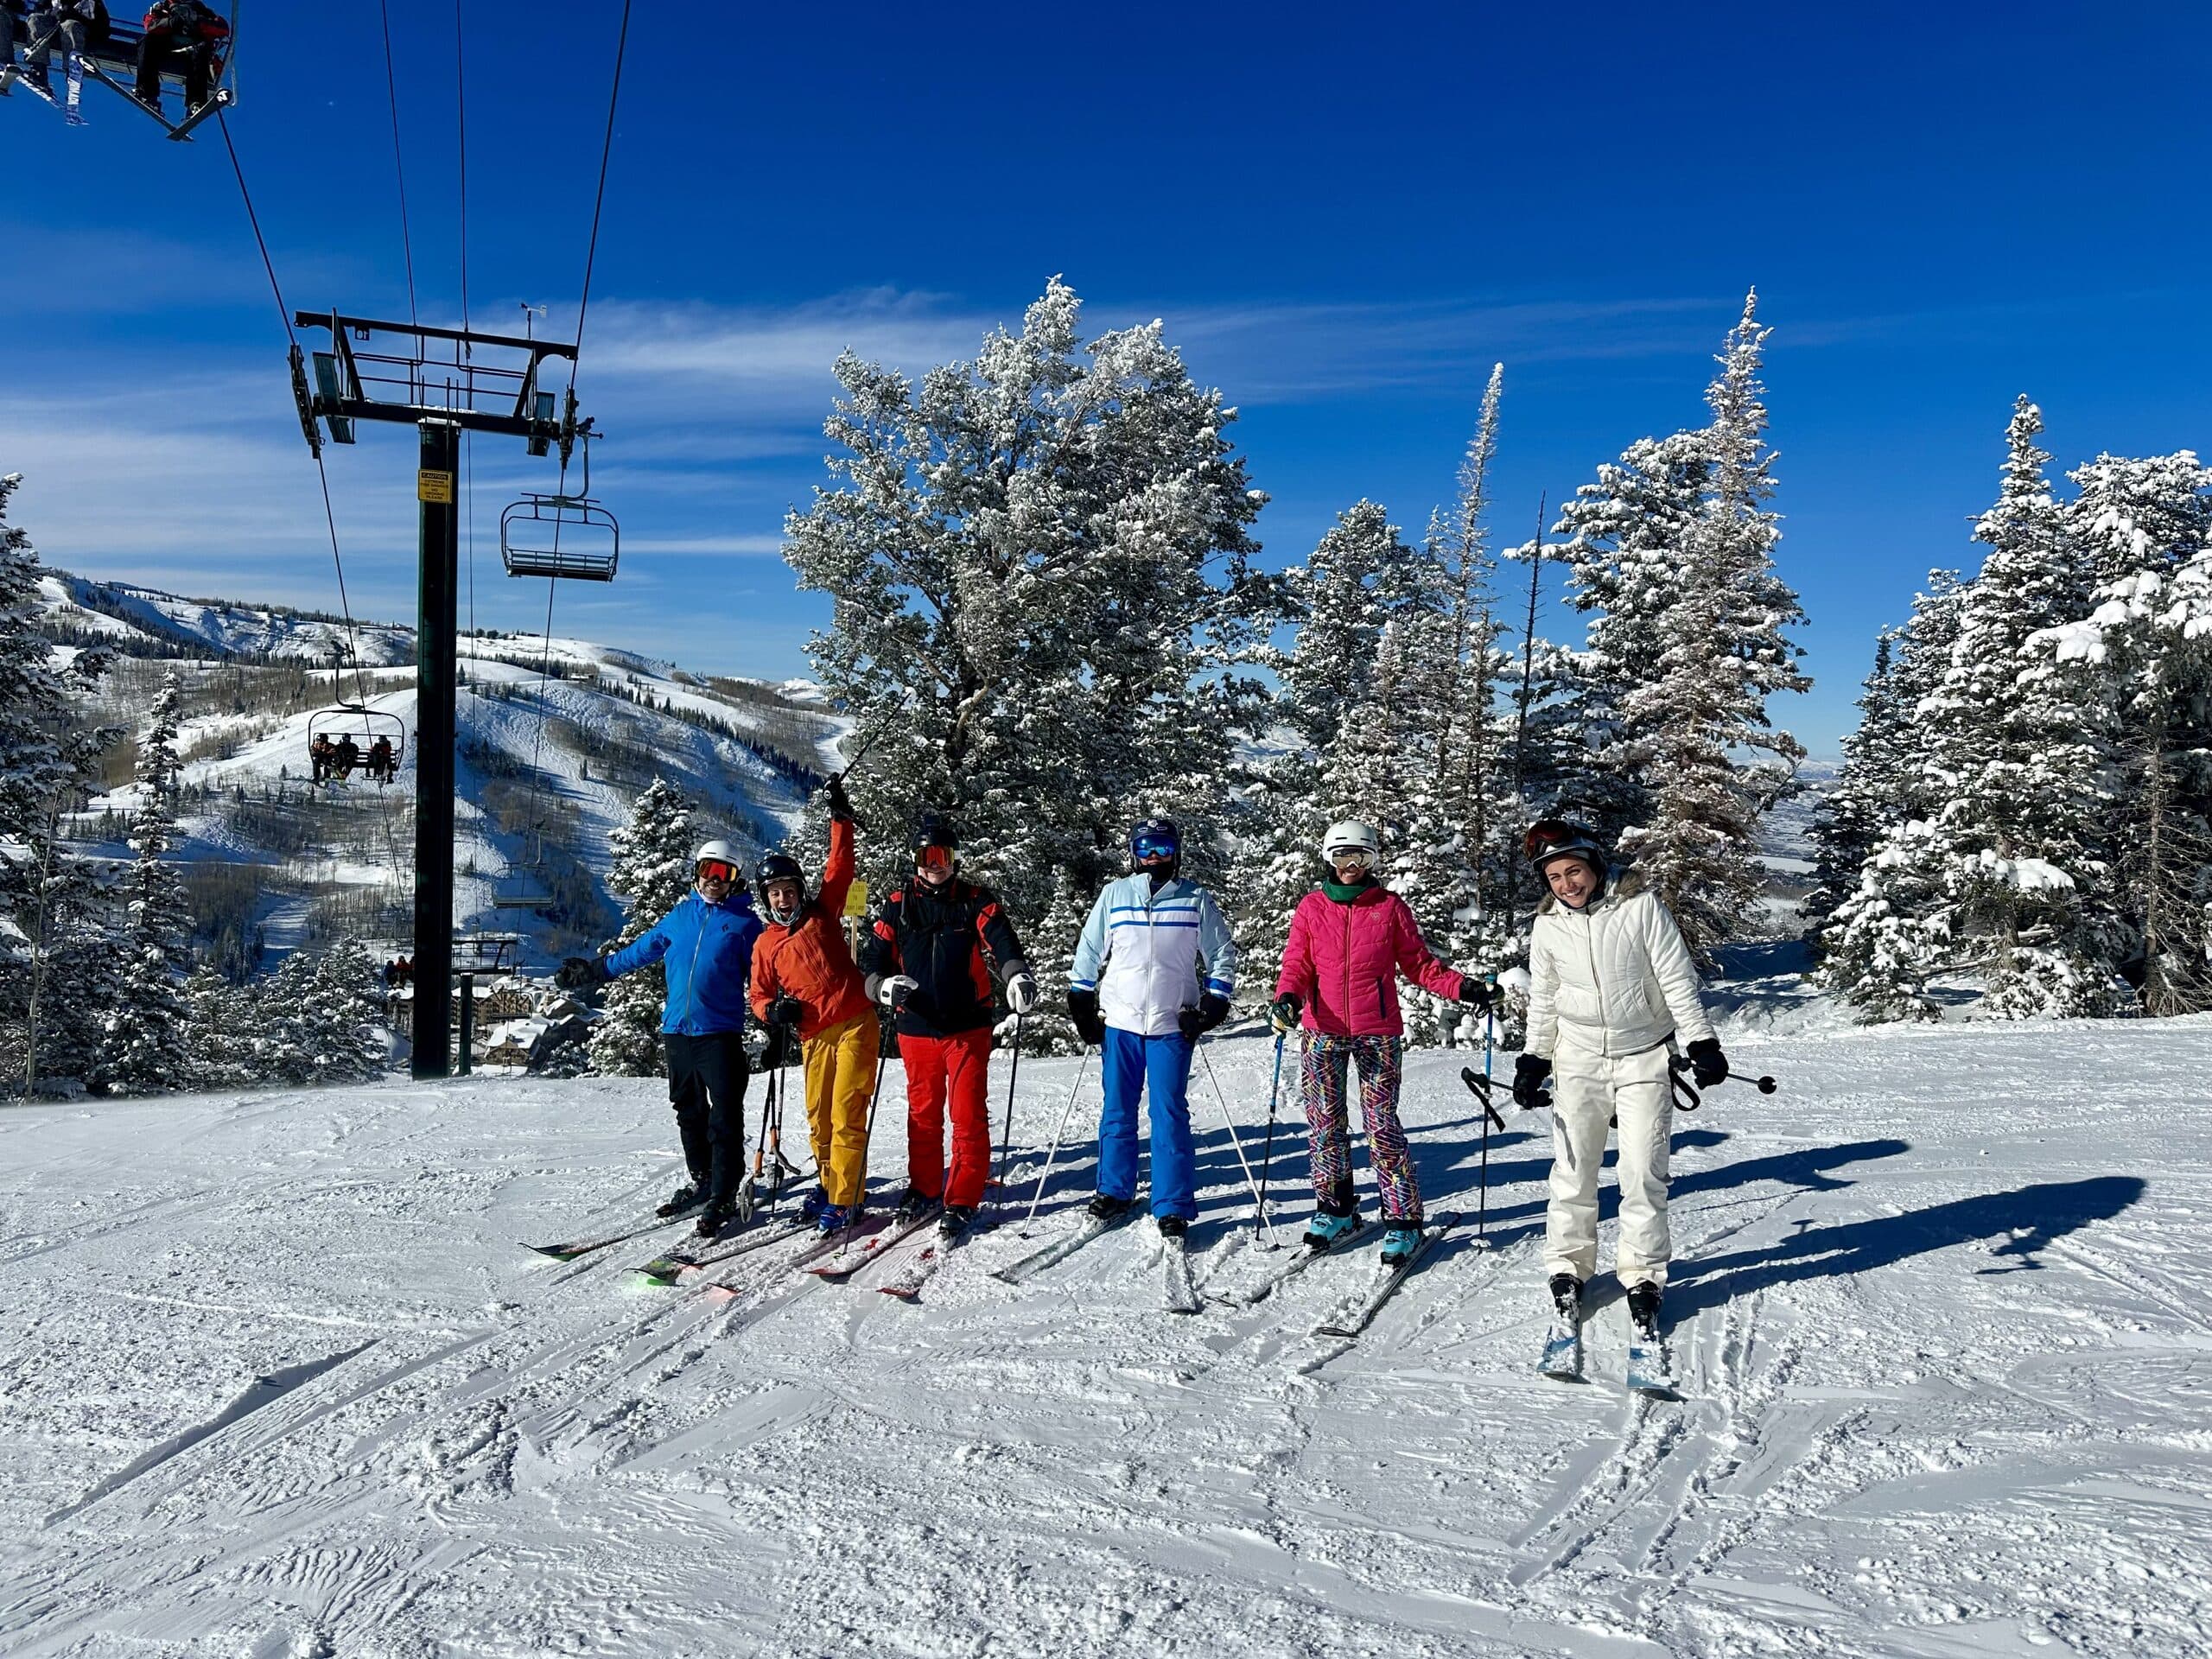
1153,972
704,947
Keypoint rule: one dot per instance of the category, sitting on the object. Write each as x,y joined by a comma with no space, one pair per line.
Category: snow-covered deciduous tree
651,872
144,1049
1696,726
1044,613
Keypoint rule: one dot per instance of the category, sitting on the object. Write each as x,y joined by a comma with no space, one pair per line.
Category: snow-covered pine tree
1724,651
2135,675
143,1049
219,1030
1626,542
46,767
1889,933
1043,604
2015,780
651,872
318,1017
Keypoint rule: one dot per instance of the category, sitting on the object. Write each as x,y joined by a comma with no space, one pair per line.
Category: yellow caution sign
435,487
856,898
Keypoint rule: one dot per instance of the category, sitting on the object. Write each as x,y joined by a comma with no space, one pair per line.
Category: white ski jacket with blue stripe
1149,955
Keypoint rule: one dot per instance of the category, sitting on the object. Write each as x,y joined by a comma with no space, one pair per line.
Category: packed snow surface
278,1378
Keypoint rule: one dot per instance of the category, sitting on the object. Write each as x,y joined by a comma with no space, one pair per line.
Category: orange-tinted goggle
933,858
714,869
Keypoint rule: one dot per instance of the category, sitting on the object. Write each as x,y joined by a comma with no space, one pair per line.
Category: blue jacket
1143,951
707,953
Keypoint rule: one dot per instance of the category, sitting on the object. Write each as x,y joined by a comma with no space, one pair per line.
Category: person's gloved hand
893,990
1283,1012
1021,992
1529,1075
582,973
1212,1009
1707,1063
786,1013
1473,991
1083,1008
840,805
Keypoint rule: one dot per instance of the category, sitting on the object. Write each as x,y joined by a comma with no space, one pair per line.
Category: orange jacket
809,959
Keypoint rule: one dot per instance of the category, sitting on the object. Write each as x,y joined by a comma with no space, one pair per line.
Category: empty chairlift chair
568,537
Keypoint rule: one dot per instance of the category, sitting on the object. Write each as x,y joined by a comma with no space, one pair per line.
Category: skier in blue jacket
1153,972
705,947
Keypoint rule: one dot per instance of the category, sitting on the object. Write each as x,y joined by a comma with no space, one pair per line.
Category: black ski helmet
1156,832
778,867
1561,838
934,830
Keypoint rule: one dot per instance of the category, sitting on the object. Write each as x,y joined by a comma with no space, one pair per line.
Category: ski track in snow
281,1381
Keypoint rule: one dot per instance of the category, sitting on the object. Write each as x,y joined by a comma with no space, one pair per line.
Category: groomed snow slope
279,1379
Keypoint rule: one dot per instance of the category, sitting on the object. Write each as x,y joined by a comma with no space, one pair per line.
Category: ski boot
834,1218
1172,1226
712,1220
685,1198
811,1206
1399,1243
1566,1296
1328,1229
1643,1312
1104,1208
955,1224
913,1204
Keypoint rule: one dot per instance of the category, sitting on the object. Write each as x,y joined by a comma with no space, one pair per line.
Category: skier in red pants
929,956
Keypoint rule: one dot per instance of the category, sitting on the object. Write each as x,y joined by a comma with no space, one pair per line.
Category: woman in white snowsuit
1612,989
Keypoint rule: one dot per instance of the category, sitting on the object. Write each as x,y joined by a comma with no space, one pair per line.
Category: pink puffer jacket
1343,961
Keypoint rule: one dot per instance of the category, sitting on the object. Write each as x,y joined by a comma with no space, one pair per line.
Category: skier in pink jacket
1350,942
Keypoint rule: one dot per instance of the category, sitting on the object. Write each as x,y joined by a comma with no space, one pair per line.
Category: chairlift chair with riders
112,60
365,728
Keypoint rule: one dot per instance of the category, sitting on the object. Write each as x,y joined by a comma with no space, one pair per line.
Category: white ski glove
1022,993
894,991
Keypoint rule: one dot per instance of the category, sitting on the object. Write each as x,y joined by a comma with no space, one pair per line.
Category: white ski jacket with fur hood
1612,978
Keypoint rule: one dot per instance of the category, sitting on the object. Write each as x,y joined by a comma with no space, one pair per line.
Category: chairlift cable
460,105
398,162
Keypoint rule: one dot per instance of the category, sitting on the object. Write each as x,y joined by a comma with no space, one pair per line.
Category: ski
837,1240
1648,1373
1182,1294
1355,1315
1053,1255
666,1269
577,1246
1562,1356
870,1248
1302,1258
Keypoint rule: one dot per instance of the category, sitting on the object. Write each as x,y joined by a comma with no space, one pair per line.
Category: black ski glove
1083,1008
1707,1063
840,805
1283,1012
787,1012
582,973
1212,1009
1473,991
1529,1075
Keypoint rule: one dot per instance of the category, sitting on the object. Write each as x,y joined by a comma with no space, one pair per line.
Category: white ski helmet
1351,836
720,849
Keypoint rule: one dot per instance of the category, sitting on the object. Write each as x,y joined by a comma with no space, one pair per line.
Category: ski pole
1267,1150
1222,1100
1006,1136
1490,1049
1067,1112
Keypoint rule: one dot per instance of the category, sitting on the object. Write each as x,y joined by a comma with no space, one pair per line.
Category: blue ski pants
1160,1066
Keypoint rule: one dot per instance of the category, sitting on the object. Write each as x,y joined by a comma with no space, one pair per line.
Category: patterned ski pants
1323,1073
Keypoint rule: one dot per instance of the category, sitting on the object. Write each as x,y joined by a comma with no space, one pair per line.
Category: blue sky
1344,214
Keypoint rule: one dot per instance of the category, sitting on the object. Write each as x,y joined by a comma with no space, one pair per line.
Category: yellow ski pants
840,1077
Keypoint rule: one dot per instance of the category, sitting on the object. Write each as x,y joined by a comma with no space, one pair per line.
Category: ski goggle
714,869
1556,835
1150,847
933,858
1363,856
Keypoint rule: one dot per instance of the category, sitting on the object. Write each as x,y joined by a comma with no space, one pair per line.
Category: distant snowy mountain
554,745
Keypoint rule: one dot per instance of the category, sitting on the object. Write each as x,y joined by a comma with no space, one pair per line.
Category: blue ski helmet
1156,838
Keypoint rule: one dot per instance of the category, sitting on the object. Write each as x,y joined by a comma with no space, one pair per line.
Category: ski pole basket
566,536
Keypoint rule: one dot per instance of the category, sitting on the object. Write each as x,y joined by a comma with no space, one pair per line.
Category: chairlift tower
443,382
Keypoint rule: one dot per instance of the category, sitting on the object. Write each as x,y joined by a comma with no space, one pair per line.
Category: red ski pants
941,1070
